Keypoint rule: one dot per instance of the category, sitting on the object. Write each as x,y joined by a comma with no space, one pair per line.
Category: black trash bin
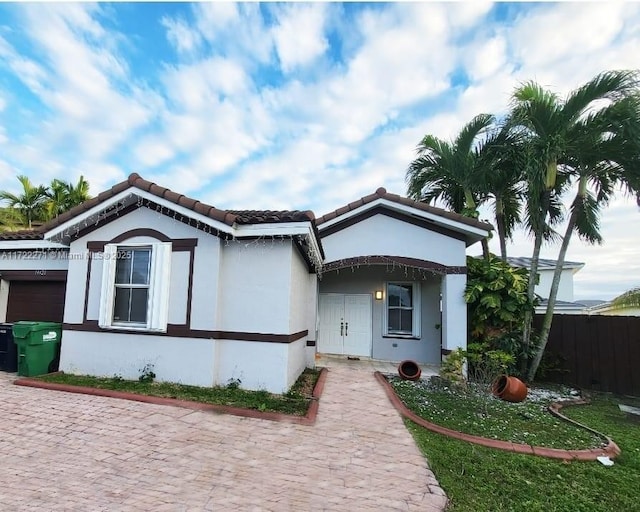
8,349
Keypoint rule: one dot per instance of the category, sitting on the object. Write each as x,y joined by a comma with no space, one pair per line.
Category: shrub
497,302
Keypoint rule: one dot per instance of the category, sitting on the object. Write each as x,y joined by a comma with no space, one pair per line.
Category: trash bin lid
23,328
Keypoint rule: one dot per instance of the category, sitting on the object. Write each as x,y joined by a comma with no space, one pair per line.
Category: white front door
344,324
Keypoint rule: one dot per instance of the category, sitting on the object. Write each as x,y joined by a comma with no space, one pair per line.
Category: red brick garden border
308,419
611,449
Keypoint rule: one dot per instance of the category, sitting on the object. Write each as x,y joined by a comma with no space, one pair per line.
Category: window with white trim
402,310
135,286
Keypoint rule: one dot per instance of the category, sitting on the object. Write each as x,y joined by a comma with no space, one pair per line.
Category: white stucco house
143,275
565,303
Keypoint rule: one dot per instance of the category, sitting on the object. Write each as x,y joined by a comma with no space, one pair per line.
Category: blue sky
292,106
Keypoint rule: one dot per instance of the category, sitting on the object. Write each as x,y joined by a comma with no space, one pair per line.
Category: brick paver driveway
63,451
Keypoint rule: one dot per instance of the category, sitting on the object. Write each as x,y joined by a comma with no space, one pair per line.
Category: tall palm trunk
528,317
500,225
473,207
549,184
533,274
555,283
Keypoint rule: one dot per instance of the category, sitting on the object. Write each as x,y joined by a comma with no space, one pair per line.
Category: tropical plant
629,299
497,303
503,162
10,219
450,172
604,165
40,203
62,196
78,193
29,202
452,368
56,199
561,137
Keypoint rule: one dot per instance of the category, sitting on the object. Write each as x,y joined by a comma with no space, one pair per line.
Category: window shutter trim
107,292
161,275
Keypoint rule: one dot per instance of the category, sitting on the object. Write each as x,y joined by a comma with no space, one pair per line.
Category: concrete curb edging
308,419
611,449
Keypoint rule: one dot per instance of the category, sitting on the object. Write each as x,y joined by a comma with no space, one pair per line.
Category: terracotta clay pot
409,370
509,388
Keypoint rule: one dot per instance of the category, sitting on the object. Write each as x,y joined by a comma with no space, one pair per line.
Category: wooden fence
594,352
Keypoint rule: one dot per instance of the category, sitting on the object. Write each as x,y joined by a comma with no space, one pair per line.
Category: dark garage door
36,300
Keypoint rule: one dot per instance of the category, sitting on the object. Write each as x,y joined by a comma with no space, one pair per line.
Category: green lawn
295,402
479,479
475,411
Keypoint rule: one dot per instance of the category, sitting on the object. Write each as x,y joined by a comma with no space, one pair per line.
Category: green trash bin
38,346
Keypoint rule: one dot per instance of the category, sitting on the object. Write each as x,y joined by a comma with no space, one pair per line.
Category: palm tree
560,134
450,171
609,159
504,159
629,299
10,219
62,196
30,202
77,194
57,198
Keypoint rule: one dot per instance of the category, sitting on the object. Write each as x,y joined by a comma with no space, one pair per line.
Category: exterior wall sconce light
378,294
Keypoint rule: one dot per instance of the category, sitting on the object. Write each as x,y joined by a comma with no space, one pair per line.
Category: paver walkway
63,451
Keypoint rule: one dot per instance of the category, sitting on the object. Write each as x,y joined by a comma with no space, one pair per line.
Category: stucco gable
384,203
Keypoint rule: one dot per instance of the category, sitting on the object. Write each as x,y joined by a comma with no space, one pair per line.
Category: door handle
346,329
341,328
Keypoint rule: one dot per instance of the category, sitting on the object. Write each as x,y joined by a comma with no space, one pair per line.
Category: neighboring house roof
24,234
591,303
543,264
382,193
564,304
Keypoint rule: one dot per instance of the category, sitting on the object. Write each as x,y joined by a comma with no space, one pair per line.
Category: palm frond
629,299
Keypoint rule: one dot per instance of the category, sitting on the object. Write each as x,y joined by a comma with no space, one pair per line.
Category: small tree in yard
497,303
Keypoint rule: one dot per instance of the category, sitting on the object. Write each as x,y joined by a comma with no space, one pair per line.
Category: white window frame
159,281
416,309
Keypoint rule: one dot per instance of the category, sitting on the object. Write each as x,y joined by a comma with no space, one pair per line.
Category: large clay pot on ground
509,388
409,370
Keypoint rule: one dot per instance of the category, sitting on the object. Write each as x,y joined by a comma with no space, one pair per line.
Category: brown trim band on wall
377,260
381,210
33,275
182,331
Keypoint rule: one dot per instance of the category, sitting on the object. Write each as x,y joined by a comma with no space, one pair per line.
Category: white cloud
153,151
92,103
183,38
239,28
299,34
194,87
486,58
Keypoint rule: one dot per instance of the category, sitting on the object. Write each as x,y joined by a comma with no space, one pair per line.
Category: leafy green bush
452,368
497,302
